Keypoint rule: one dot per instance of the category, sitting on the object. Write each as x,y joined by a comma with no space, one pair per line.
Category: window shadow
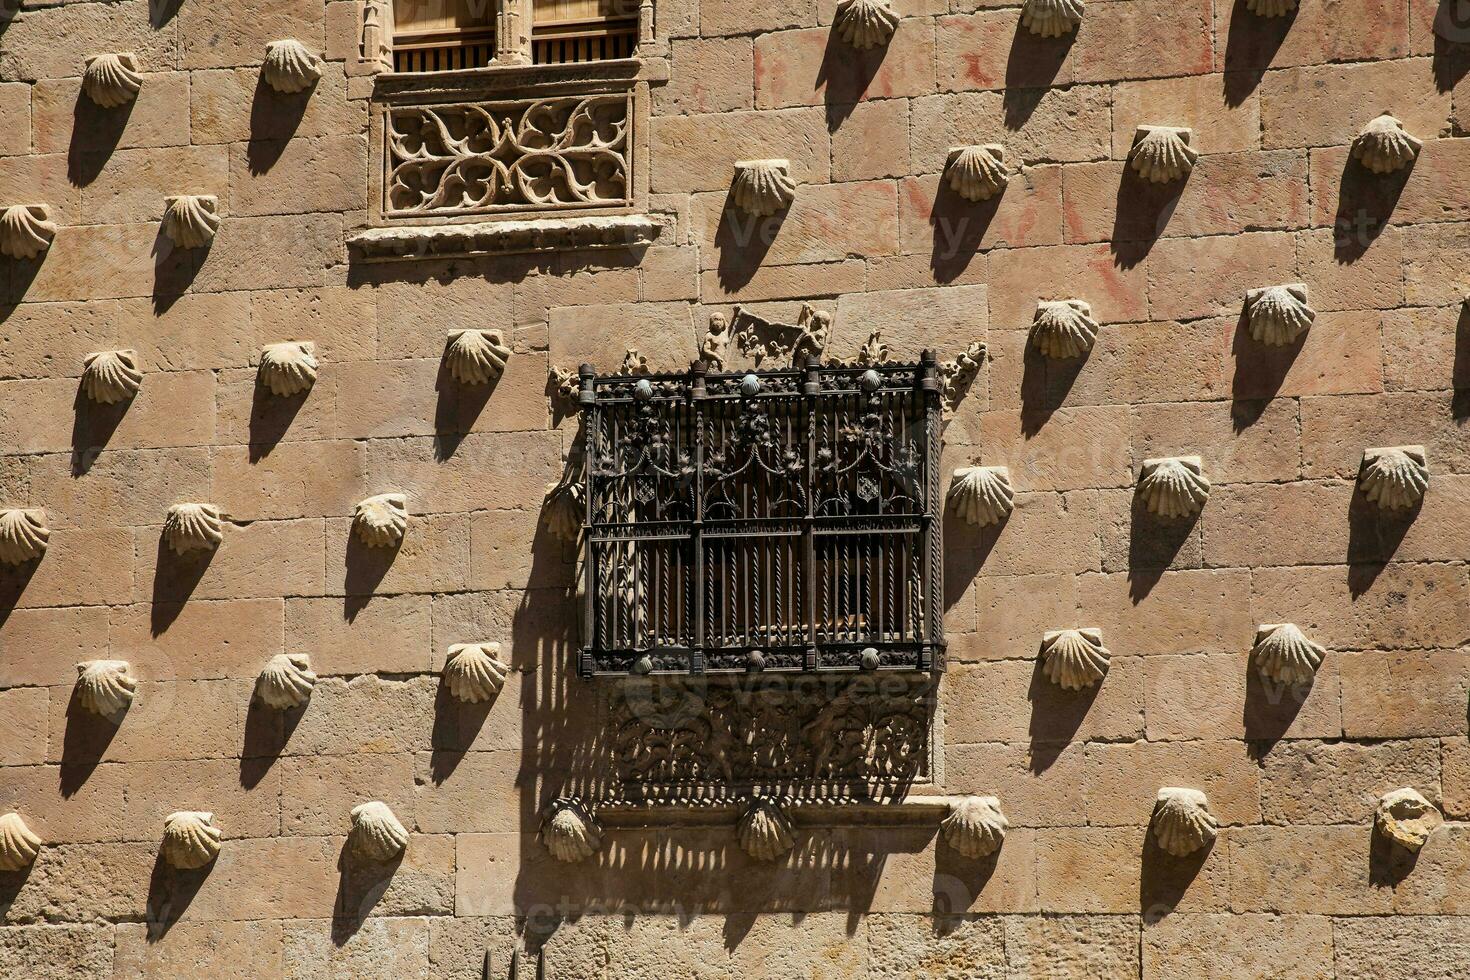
1164,879
1365,203
1056,716
1374,536
170,892
175,577
174,271
1153,544
84,744
1031,69
1270,709
1260,371
360,886
456,726
366,568
267,731
958,227
95,135
743,241
1249,49
92,428
1140,214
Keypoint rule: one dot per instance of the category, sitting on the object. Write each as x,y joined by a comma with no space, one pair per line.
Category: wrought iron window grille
778,521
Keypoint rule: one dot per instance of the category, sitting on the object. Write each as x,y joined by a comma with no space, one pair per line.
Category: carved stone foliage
677,737
977,173
958,374
112,80
286,682
381,521
1405,817
1162,154
1182,821
764,340
1279,314
26,230
23,535
191,220
18,845
1394,478
1074,659
763,187
1174,488
490,157
1284,654
570,831
1051,18
290,67
975,827
865,24
982,495
476,357
764,830
104,687
1384,146
193,527
110,377
190,840
376,834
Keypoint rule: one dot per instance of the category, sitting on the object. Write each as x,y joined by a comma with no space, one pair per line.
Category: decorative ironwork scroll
775,521
545,154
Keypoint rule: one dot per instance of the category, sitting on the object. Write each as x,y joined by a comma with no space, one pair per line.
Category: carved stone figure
957,375
110,377
474,673
975,827
377,35
104,687
288,369
1394,478
26,230
766,340
1063,329
716,342
1174,488
977,173
476,357
1074,659
1405,817
763,187
1051,18
1162,154
1384,146
286,683
191,220
381,521
1182,821
1285,655
18,845
193,527
633,364
23,535
982,494
289,67
570,831
765,831
1279,315
865,23
190,840
112,80
376,834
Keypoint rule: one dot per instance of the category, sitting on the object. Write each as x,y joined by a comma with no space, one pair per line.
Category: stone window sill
423,242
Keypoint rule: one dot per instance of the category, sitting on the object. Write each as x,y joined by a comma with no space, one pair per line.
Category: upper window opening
443,35
570,31
448,35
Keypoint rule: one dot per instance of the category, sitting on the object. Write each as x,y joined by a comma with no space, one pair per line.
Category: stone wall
1296,884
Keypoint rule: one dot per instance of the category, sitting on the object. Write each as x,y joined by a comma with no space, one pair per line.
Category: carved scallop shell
1395,478
26,230
104,687
288,369
1063,329
1163,153
193,527
977,173
381,521
982,494
763,187
564,509
23,535
289,67
112,80
1174,488
1279,314
474,672
1285,655
1270,8
190,840
1051,18
1074,659
765,831
1405,817
570,831
975,827
191,220
286,682
476,357
866,23
376,833
1182,821
1384,146
111,376
18,845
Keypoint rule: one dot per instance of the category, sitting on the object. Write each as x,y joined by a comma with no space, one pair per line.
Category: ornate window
448,35
783,520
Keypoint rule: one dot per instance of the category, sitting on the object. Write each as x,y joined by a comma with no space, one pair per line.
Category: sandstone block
1319,783
1216,946
1405,694
1299,108
230,951
81,568
703,148
318,793
390,635
15,116
827,223
1124,780
1429,946
1208,276
1318,35
231,106
57,951
792,68
23,726
294,480
1143,40
709,75
937,220
366,716
325,174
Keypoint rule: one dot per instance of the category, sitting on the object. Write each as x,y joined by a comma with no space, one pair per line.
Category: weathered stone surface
1218,947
